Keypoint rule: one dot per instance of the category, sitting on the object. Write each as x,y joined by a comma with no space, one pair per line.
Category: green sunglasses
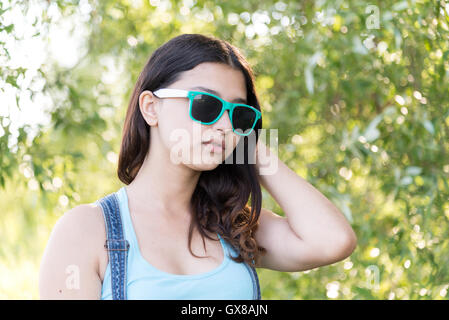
206,108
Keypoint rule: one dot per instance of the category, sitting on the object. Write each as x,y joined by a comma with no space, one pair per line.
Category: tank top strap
128,227
252,271
224,245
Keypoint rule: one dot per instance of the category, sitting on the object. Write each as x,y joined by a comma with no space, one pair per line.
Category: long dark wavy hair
219,201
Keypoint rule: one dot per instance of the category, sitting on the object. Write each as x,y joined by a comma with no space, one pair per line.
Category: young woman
190,230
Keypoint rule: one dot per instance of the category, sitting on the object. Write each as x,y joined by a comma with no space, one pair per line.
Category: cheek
174,128
231,143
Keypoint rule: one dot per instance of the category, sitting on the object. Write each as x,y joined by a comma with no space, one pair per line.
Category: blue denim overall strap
116,245
255,280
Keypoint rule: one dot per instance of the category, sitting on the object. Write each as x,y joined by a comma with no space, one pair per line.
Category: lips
218,144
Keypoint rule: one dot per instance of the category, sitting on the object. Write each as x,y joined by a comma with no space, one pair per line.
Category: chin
205,164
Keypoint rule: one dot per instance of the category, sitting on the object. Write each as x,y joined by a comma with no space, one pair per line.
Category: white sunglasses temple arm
171,93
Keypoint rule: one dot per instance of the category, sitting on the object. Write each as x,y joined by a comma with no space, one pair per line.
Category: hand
266,161
256,157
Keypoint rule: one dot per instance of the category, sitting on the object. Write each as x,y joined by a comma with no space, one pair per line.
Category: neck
162,187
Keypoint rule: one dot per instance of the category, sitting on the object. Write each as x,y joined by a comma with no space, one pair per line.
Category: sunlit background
358,91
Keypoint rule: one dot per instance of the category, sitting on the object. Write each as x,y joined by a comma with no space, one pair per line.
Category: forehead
216,78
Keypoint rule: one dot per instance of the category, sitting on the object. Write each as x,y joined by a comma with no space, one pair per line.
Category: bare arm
313,232
69,266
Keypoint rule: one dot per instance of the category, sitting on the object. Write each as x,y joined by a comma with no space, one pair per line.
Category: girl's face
184,138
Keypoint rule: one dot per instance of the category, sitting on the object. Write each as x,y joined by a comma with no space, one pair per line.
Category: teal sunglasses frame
225,105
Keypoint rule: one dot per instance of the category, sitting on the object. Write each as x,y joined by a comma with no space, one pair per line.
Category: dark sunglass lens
243,119
205,108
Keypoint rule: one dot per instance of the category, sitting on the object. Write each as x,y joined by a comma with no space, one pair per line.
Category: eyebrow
241,100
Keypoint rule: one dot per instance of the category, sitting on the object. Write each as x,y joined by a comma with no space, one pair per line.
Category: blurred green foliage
358,90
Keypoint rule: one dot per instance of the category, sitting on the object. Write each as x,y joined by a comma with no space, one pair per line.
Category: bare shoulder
82,226
70,263
85,220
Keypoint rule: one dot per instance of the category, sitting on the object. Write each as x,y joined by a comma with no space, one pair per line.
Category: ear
147,105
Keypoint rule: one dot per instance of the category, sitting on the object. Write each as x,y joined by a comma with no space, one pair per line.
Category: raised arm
313,232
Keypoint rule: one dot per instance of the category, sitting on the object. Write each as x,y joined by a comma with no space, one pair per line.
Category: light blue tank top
230,280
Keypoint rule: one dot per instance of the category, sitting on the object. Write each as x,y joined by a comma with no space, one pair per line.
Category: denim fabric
118,248
116,245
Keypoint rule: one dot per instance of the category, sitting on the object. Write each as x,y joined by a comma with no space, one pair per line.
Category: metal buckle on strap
108,244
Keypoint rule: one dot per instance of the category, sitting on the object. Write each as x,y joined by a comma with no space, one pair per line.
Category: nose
224,123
